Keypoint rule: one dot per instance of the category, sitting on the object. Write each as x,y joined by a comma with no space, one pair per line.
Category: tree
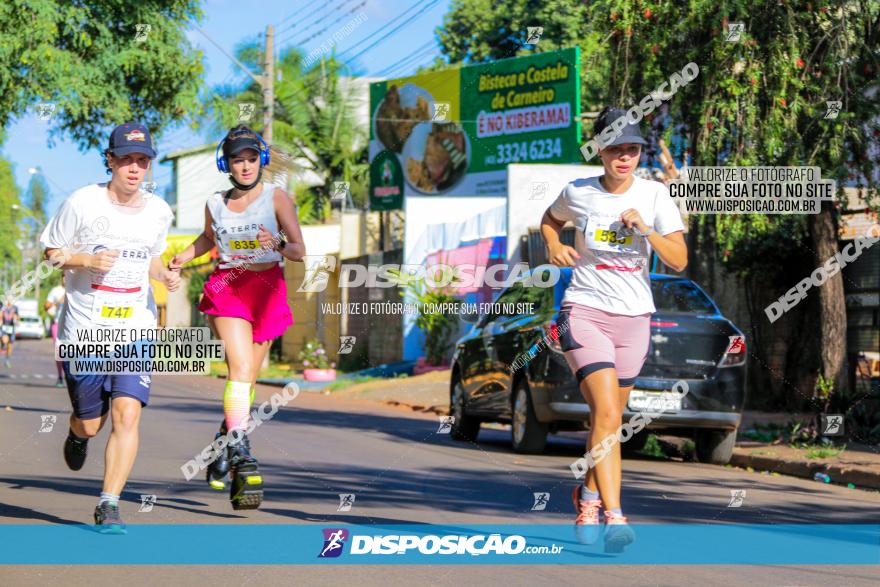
88,59
762,101
759,101
10,255
477,31
36,198
314,122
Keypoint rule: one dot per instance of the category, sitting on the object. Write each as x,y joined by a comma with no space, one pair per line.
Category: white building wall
530,191
197,178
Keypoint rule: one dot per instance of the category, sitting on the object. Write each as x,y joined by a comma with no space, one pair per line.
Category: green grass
277,371
689,450
343,383
652,448
763,452
820,452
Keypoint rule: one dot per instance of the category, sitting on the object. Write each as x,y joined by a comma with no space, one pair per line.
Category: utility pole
266,81
268,85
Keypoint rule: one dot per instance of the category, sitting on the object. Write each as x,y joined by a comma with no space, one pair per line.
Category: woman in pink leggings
245,297
606,311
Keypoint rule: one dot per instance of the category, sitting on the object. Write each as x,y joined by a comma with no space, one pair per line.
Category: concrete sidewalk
858,465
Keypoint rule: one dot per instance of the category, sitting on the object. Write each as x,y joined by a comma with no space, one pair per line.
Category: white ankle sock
587,495
108,497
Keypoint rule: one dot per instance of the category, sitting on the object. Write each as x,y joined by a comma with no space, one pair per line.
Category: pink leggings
593,339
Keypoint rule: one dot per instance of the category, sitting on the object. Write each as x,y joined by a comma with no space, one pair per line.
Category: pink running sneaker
586,525
618,533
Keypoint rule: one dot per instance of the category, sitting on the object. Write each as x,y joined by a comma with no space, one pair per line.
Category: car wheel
463,427
528,435
715,446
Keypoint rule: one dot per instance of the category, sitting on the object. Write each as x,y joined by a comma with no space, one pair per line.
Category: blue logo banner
297,544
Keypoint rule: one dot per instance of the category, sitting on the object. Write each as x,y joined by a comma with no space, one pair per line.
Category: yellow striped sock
237,404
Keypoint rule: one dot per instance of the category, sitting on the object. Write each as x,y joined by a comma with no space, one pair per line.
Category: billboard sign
453,132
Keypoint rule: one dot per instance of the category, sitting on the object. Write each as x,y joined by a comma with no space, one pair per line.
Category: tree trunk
701,242
832,303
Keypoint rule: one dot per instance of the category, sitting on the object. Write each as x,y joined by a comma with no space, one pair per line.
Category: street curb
309,386
840,474
439,410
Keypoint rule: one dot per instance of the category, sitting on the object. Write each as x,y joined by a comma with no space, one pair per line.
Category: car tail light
736,352
551,335
661,324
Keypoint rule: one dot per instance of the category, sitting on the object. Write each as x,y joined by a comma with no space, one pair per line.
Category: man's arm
159,272
65,259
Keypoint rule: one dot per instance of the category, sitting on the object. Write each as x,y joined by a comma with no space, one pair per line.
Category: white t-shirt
613,273
55,297
88,222
236,232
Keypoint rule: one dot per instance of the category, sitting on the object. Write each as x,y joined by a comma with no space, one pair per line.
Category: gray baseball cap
629,133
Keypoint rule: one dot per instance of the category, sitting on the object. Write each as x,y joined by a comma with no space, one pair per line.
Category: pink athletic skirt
593,339
260,297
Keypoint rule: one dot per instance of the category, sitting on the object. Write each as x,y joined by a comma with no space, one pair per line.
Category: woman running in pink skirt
245,298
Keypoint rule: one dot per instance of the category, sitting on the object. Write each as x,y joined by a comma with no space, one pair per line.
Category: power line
395,29
401,25
303,18
429,46
419,49
317,33
381,28
289,31
399,73
294,13
230,56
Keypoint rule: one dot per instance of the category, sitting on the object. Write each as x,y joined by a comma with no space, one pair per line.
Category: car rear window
680,296
29,319
670,295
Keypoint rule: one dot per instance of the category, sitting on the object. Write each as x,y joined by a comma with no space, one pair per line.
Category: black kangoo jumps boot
246,490
219,468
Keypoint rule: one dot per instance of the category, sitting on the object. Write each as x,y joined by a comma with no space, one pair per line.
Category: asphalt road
401,471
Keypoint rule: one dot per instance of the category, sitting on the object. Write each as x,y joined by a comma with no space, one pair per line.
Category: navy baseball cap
629,133
131,138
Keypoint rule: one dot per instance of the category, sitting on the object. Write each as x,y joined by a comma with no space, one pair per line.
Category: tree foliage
314,122
86,58
37,197
10,255
760,100
478,31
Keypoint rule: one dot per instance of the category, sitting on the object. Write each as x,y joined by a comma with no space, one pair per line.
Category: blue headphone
223,165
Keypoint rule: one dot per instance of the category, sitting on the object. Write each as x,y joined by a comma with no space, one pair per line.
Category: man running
7,330
107,287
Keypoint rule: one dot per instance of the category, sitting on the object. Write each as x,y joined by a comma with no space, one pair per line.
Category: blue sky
230,22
